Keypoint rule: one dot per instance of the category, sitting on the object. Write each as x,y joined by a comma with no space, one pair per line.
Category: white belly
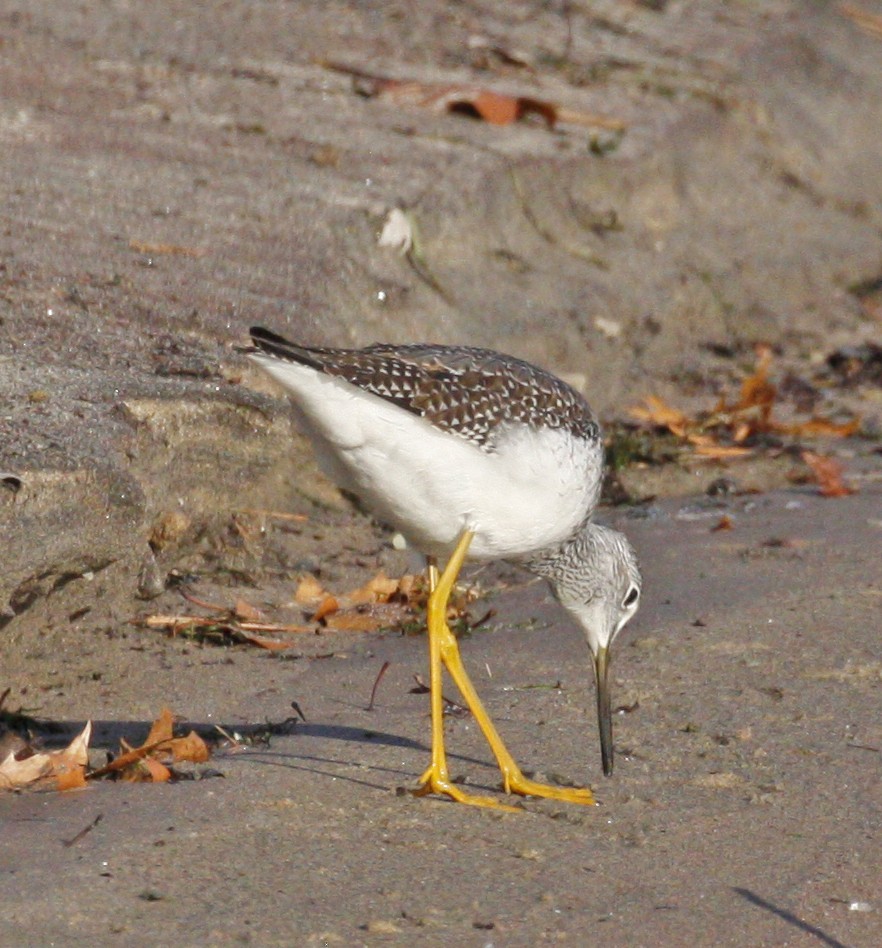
431,485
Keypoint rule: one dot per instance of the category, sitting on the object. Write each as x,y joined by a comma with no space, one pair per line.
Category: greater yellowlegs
468,452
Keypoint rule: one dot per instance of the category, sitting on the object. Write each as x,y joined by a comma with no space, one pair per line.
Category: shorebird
470,453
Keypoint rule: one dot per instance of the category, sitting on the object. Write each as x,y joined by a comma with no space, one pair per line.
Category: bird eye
632,597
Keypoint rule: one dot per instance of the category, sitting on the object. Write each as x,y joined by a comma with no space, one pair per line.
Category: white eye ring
631,597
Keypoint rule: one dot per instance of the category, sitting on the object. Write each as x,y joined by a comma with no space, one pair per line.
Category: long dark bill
604,708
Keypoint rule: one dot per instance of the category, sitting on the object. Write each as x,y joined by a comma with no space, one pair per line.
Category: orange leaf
71,779
379,589
828,474
353,622
161,729
742,432
262,642
119,763
327,606
141,246
492,107
657,412
191,748
244,610
756,390
821,427
140,763
701,440
309,590
146,770
720,451
724,523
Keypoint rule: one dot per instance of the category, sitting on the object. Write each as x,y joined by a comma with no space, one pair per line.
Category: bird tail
275,345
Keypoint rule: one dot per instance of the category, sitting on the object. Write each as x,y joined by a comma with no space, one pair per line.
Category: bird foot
518,783
433,782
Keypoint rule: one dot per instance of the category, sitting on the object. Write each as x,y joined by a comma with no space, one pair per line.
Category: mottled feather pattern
471,392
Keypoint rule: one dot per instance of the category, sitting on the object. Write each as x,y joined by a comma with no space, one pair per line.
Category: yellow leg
437,778
444,651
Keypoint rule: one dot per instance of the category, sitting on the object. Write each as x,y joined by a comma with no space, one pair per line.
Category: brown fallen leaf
161,729
326,607
309,591
209,627
656,411
724,523
757,392
823,427
190,748
721,451
828,475
145,763
244,610
496,108
56,770
145,770
145,247
725,432
379,589
197,601
382,602
275,514
261,641
15,773
353,622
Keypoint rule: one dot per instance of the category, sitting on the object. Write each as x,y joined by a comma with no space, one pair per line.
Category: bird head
595,577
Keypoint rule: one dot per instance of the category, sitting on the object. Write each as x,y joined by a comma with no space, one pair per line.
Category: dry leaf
353,622
497,108
823,427
239,631
724,523
756,390
657,412
244,610
61,769
326,607
722,433
336,613
161,730
828,475
153,249
273,645
379,589
145,770
191,748
15,774
140,764
71,779
309,590
721,451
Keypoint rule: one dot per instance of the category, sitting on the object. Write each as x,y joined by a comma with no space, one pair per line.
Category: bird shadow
788,917
257,739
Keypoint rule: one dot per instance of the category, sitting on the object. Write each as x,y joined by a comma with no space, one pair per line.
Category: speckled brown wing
469,392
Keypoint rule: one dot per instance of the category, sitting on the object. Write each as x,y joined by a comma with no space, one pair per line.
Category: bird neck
582,542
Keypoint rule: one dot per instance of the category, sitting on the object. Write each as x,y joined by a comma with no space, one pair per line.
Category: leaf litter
26,767
382,603
744,426
495,108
